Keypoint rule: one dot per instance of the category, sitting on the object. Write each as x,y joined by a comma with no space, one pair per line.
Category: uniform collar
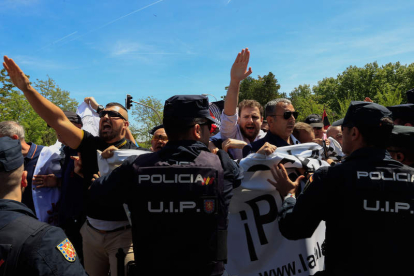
15,206
119,144
369,152
32,151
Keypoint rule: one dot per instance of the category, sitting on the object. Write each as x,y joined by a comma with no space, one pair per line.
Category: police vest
179,219
373,234
16,229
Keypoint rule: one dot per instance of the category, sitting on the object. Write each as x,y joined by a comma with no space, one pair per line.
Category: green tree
263,89
144,119
15,107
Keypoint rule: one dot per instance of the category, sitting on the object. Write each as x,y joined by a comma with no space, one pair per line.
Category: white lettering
143,178
402,174
361,174
375,175
155,210
187,205
401,206
199,178
376,208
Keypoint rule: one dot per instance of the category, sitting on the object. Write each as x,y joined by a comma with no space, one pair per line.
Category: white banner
255,244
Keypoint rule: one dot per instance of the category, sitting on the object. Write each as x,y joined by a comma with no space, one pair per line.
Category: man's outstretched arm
49,112
237,74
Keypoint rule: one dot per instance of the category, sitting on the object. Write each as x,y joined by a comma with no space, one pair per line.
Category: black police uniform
367,202
178,198
45,249
164,249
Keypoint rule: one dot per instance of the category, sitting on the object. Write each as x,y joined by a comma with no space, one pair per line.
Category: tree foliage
15,107
144,119
263,89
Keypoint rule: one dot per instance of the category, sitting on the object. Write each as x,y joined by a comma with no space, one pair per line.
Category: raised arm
49,112
237,74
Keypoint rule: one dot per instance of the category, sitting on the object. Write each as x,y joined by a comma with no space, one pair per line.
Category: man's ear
355,133
126,123
197,131
24,179
15,137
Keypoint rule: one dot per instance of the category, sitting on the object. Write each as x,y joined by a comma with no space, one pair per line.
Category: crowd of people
192,165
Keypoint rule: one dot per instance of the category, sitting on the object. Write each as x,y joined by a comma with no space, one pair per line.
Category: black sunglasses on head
287,114
111,114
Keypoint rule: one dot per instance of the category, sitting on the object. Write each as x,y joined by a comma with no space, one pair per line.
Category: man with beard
243,127
107,228
281,117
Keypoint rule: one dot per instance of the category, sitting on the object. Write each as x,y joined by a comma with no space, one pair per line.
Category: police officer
27,246
366,201
402,145
178,196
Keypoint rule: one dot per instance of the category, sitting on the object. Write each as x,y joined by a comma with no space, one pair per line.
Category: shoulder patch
67,250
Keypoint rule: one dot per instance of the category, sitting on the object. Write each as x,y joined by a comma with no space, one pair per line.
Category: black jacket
367,204
40,254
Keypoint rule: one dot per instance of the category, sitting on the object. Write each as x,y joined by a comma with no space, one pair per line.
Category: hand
238,70
91,100
78,165
108,152
327,142
318,141
16,75
267,149
367,99
42,181
96,176
212,148
282,181
232,144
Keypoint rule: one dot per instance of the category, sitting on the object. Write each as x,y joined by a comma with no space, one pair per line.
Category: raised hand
92,102
267,149
239,69
16,75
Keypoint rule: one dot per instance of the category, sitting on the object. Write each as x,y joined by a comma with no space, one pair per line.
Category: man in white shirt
242,127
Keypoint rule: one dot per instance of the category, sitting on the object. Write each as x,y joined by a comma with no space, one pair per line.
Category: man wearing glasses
159,138
281,117
107,227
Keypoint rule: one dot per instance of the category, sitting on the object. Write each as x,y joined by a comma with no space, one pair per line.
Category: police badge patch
209,206
67,250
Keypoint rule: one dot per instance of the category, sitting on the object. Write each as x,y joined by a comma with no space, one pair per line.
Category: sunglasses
111,114
160,138
287,114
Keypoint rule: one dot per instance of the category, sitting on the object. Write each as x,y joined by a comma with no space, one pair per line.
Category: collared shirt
231,129
30,161
272,139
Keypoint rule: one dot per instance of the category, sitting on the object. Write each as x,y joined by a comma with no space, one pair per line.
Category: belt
108,231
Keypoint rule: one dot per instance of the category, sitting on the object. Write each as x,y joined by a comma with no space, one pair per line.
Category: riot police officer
27,246
402,145
178,196
366,201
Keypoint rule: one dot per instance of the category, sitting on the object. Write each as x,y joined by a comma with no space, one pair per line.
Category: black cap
338,123
154,129
402,111
403,137
314,120
410,96
365,114
73,117
11,156
183,109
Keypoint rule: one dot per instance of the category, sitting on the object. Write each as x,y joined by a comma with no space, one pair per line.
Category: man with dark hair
366,201
178,196
281,117
402,145
159,138
243,127
27,246
107,228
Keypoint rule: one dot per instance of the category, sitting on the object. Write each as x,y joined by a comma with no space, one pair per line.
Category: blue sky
107,49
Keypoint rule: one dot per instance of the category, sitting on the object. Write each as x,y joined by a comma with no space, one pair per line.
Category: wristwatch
100,108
